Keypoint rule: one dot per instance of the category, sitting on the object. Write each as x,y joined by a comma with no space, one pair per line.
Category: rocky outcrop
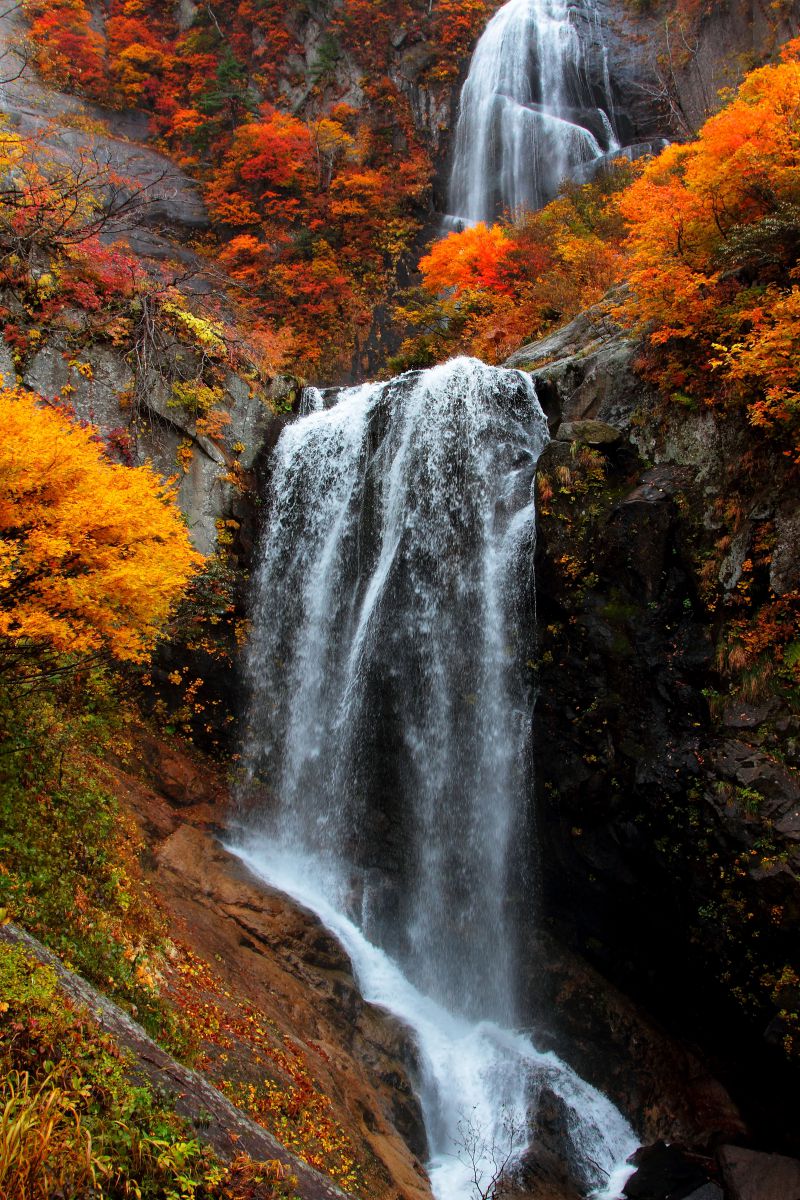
728,40
752,1176
584,371
279,959
667,817
216,1121
666,1172
100,388
670,64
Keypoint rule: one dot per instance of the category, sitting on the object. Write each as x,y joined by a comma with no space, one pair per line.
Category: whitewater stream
536,106
387,750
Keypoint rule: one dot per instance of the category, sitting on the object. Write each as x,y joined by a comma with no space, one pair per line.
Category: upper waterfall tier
536,105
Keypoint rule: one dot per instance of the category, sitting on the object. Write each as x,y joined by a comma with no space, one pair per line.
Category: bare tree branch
489,1159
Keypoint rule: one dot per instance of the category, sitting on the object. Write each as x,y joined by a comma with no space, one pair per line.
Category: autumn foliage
713,255
318,218
487,289
92,554
71,51
315,208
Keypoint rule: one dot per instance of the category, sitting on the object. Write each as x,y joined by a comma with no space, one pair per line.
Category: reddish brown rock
749,1175
280,959
180,778
660,1083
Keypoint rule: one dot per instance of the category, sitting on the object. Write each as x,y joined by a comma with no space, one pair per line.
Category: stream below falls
477,1081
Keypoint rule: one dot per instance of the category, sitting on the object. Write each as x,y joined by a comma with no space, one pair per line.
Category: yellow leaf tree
93,555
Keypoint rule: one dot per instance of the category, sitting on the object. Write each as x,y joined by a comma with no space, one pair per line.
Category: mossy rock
590,433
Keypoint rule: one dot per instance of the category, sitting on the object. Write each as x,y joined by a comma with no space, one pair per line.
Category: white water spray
475,1078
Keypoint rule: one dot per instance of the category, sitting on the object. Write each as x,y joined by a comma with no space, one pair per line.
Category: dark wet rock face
549,1167
667,820
662,1083
588,433
669,1173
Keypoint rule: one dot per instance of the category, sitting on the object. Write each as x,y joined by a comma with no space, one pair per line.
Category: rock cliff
667,793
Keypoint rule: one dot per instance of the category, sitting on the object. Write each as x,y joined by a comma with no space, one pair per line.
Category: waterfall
535,106
389,720
312,400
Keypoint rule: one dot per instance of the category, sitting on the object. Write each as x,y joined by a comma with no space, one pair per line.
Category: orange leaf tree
477,258
713,254
487,289
93,555
69,51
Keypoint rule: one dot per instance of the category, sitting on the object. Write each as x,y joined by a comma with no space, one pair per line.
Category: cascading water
534,108
390,715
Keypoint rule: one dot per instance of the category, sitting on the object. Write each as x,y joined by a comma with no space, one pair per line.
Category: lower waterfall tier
389,736
479,1084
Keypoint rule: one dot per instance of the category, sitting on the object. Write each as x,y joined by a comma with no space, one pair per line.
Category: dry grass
44,1149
